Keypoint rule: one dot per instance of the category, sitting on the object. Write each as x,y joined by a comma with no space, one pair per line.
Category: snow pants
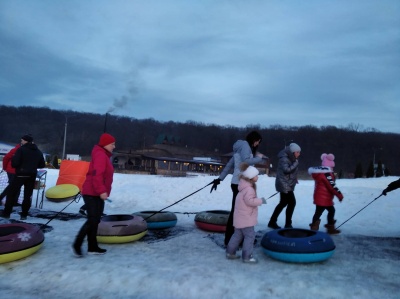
247,235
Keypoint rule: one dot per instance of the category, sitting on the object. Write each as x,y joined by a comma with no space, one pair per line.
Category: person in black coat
392,186
26,160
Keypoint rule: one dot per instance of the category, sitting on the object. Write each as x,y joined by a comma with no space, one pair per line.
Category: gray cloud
224,62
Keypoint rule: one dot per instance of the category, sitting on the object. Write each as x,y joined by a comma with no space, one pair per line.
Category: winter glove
384,192
341,197
264,201
215,184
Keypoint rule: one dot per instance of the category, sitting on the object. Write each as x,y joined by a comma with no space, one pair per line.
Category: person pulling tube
392,186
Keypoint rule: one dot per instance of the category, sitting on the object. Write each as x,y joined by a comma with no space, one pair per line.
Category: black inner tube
296,233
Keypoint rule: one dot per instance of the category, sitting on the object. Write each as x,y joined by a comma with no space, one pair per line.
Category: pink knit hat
327,160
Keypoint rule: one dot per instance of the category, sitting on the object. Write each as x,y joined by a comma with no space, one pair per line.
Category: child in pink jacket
245,215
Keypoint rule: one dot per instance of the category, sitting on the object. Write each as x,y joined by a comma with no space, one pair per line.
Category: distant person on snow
26,160
392,186
324,191
243,151
285,182
9,170
245,215
95,190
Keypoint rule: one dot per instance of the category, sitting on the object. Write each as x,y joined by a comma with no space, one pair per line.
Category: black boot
273,225
97,251
80,237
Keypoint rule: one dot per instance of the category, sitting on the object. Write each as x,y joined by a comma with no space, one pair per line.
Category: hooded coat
27,159
246,206
325,188
99,177
241,153
286,173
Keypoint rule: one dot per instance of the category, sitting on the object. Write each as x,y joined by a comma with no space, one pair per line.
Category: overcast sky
290,63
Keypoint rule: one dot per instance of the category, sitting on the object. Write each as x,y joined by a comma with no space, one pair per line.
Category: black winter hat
27,138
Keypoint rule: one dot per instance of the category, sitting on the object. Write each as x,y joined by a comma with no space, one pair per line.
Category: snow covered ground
185,262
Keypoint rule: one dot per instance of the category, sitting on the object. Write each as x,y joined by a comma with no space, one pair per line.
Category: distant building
172,160
167,159
73,157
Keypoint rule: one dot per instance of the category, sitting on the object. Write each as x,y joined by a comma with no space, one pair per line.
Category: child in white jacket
245,215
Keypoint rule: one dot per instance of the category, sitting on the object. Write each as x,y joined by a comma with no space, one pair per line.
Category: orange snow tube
70,180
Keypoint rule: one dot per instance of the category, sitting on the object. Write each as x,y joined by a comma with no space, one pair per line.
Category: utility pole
65,138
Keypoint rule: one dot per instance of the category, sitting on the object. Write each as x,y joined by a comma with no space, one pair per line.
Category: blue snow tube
298,245
158,220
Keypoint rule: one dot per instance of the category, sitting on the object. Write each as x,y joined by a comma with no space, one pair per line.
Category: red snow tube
214,221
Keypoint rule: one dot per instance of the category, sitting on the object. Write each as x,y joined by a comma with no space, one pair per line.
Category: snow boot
330,229
273,225
250,260
230,256
315,225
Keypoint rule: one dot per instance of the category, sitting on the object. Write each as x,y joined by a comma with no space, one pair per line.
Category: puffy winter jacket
286,173
393,186
246,206
241,153
99,177
325,188
27,159
7,159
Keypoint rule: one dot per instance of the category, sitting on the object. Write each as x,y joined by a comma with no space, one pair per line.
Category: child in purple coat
245,215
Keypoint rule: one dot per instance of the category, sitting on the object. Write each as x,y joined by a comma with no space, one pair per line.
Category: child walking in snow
324,191
245,215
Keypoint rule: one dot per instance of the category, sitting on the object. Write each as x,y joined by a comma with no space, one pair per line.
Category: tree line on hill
356,151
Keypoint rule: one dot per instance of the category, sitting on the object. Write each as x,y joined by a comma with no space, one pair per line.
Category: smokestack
105,123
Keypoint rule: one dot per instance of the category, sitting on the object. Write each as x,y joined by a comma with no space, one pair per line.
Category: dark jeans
320,209
13,193
289,200
94,209
229,226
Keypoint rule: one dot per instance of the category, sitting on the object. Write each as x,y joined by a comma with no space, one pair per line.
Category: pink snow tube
19,240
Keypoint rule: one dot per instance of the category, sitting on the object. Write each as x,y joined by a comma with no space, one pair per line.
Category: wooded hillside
353,148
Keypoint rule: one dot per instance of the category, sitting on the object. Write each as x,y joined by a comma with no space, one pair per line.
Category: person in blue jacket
243,151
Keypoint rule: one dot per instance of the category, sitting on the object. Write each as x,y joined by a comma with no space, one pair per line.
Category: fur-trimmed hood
319,169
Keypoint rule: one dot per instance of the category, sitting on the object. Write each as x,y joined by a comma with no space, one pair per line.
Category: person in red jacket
9,170
324,191
95,190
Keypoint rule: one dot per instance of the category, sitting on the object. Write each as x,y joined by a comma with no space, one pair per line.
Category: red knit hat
106,139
